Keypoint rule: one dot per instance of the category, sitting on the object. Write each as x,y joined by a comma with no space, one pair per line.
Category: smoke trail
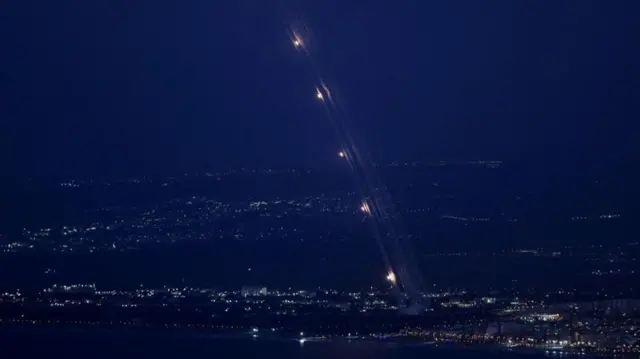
384,219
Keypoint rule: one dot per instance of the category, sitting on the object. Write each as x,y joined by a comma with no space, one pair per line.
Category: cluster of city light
599,334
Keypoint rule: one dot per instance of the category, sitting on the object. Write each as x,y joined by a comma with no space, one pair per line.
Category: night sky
101,87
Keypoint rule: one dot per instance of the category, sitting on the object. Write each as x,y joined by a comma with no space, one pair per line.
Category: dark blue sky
99,87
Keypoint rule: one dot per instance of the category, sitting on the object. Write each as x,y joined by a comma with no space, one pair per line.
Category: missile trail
376,205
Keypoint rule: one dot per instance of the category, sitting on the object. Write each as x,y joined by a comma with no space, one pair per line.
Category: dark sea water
72,344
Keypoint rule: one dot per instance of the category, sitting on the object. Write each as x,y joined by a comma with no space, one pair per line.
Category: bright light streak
391,277
365,208
326,90
360,165
297,41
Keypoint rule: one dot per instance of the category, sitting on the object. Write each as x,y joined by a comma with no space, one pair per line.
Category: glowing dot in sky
365,208
297,41
391,277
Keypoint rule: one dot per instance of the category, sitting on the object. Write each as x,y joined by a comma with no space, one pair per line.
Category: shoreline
288,337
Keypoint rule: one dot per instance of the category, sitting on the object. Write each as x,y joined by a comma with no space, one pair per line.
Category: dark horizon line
317,166
245,169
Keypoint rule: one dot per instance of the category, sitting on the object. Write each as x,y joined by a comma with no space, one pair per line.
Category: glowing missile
297,41
391,277
365,208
